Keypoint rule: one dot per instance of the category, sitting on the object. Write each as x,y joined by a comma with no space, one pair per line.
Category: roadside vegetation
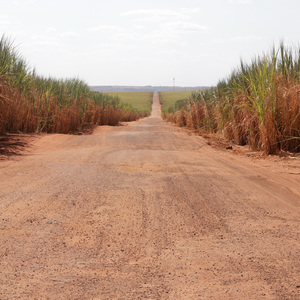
141,101
257,105
31,103
169,99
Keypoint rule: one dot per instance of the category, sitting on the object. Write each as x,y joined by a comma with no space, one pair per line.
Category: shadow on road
12,145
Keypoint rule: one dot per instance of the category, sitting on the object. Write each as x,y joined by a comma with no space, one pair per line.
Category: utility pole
173,83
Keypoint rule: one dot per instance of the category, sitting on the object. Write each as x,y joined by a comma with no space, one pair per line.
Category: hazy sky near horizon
136,42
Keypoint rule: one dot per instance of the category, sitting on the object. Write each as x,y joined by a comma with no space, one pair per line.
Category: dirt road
146,211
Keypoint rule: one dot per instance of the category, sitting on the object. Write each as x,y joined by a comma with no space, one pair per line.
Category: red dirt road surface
146,211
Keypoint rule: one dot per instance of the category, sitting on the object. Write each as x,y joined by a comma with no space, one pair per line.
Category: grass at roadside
141,101
257,105
169,98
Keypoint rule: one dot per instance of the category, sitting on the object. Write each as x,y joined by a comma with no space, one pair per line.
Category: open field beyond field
142,101
169,98
147,211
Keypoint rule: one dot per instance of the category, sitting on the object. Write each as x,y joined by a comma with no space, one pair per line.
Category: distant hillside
147,88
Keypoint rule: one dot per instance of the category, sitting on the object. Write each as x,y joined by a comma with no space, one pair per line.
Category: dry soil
146,211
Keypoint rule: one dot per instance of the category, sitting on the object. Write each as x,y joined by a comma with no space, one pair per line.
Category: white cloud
169,52
246,38
12,34
69,34
51,29
130,36
5,20
139,27
104,28
155,15
237,39
165,13
185,26
219,41
42,40
239,1
190,10
162,36
165,34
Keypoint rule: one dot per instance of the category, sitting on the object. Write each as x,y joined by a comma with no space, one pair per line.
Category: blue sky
146,42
